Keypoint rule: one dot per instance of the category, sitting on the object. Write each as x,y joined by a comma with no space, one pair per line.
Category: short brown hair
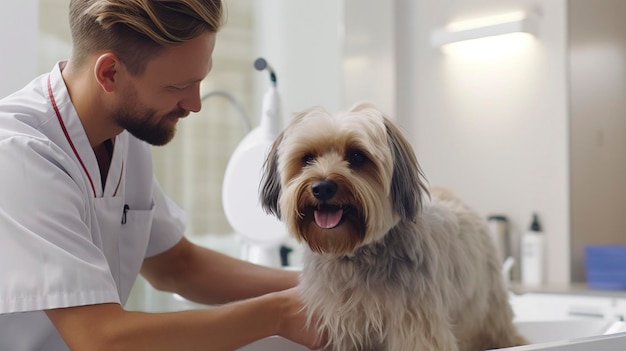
137,30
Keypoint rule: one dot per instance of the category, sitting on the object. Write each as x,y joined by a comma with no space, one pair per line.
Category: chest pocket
124,236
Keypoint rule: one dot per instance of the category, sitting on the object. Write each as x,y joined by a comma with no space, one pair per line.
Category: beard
146,126
144,123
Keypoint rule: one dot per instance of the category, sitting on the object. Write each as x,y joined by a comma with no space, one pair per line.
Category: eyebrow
185,83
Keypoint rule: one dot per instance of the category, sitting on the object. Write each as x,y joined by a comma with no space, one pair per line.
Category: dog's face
340,182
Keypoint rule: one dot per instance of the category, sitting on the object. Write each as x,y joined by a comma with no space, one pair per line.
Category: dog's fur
404,269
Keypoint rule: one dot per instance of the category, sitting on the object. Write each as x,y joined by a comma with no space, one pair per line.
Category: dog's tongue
328,218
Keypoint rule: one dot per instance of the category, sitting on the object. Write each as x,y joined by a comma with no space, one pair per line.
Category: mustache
178,113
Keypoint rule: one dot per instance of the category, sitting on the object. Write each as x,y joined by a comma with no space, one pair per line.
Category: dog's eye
356,158
308,159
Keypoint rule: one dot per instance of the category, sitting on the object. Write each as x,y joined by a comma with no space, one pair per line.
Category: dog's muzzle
327,216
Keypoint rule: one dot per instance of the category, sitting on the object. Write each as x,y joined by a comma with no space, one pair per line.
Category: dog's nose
324,189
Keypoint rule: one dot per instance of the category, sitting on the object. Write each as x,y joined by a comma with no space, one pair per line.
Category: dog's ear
407,183
269,189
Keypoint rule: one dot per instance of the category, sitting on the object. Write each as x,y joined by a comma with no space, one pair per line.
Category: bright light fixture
516,22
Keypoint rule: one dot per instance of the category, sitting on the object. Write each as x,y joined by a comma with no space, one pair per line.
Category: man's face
151,104
147,123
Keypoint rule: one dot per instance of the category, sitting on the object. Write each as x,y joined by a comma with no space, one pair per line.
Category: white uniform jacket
65,239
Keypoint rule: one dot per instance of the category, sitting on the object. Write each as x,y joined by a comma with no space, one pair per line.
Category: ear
407,182
106,71
269,188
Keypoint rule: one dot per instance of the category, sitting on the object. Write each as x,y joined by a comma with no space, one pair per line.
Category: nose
191,101
324,189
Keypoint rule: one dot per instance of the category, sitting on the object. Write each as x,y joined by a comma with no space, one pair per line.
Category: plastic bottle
498,228
533,255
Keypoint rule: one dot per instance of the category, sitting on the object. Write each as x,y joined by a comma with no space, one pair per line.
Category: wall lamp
517,22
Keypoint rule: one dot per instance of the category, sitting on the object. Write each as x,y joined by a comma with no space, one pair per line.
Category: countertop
579,289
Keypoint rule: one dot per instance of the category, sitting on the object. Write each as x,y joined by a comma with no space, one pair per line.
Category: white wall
301,40
494,126
368,61
18,37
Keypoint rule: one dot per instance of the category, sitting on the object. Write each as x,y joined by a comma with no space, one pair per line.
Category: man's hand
294,324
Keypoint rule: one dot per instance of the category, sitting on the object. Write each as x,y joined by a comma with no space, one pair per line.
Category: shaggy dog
390,266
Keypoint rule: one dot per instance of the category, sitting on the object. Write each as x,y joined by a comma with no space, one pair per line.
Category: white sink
548,331
535,331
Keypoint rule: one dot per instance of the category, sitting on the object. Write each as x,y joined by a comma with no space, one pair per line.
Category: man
81,214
